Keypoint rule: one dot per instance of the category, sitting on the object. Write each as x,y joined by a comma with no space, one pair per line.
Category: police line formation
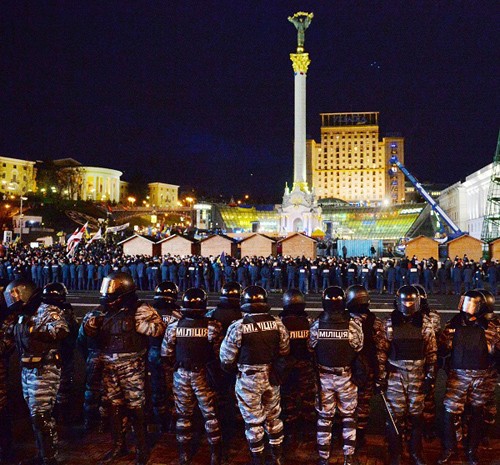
89,265
284,372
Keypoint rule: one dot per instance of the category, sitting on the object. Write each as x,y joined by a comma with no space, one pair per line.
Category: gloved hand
95,321
380,385
428,384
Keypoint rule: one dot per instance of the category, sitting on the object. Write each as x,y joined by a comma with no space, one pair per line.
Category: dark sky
201,92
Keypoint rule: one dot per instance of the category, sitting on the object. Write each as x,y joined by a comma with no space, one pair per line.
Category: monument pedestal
299,211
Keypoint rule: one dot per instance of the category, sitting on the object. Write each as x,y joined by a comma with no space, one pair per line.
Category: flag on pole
75,238
95,237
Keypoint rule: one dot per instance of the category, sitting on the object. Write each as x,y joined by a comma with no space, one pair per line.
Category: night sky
200,93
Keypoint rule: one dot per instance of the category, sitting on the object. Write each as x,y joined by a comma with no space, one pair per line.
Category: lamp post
21,220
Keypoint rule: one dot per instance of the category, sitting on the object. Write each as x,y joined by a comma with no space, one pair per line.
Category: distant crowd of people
87,267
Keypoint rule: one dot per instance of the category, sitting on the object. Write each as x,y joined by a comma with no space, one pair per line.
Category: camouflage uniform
336,390
252,343
429,414
160,374
407,355
472,346
6,348
37,337
95,402
298,392
190,375
122,333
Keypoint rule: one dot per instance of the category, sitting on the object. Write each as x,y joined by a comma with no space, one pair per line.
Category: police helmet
19,293
357,299
115,287
489,300
231,291
166,291
472,304
194,299
54,293
254,300
333,299
408,300
254,295
294,301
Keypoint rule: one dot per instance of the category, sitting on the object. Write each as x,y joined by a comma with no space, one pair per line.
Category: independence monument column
299,211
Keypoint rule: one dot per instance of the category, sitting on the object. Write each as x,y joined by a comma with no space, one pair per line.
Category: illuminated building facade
352,164
163,195
16,176
99,184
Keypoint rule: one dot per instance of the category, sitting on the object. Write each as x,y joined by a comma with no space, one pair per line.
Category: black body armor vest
333,349
226,314
298,328
193,349
118,334
260,340
470,349
407,342
29,345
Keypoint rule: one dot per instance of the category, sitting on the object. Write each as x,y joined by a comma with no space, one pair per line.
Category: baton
388,410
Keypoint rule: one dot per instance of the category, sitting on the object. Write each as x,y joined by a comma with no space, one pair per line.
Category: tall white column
300,64
299,147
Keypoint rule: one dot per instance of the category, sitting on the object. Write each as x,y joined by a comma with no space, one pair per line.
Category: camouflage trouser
156,372
4,370
365,394
299,392
94,392
430,407
124,381
405,394
189,387
64,395
490,407
40,386
259,404
466,386
337,392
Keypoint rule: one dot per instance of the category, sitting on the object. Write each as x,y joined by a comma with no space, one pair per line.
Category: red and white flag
75,238
95,237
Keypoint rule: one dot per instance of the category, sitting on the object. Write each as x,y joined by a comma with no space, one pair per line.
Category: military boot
350,460
449,439
415,444
216,454
322,461
258,458
474,435
119,449
184,453
139,425
45,432
277,454
395,445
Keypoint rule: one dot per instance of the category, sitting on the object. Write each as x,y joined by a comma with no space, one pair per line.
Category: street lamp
21,220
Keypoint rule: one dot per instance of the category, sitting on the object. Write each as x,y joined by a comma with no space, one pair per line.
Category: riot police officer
161,375
228,309
472,341
335,338
299,388
6,348
55,294
37,331
253,343
192,343
406,353
429,414
123,325
358,306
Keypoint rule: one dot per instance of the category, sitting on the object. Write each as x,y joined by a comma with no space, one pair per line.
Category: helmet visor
109,286
12,296
471,305
408,305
